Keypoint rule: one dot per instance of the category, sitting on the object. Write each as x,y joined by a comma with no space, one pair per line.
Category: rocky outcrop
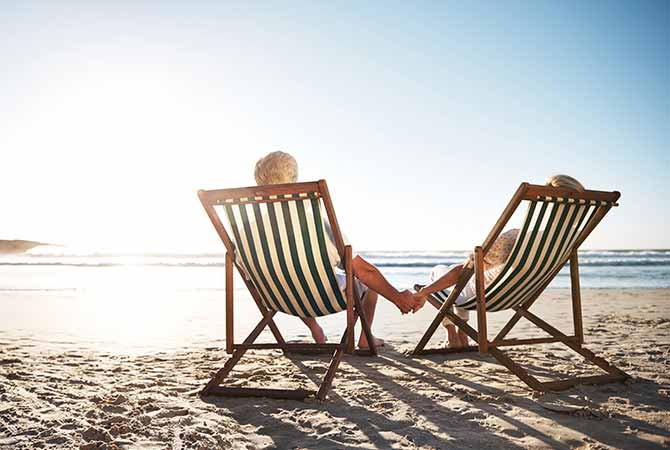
17,246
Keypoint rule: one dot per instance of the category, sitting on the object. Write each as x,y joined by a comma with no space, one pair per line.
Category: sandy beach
66,397
172,173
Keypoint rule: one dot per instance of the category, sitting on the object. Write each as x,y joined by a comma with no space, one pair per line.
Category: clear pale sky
423,116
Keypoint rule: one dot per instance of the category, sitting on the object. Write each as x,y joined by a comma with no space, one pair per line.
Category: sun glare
118,147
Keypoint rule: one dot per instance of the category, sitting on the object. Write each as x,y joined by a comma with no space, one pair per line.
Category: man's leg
369,307
316,330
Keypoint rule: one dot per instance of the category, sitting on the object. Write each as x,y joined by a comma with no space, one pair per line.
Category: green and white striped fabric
546,239
281,244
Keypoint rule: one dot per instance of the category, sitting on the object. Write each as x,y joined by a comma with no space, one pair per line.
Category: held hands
420,299
405,302
410,302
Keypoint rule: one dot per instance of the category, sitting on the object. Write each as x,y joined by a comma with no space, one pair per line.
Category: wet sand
69,397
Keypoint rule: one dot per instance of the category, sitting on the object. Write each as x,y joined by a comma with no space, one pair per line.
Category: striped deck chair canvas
556,223
276,236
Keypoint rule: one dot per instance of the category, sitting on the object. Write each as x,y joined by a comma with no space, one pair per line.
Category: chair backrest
281,244
557,221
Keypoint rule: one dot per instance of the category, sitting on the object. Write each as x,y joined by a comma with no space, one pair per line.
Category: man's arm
373,279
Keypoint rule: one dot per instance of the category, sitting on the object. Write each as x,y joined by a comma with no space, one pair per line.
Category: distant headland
17,246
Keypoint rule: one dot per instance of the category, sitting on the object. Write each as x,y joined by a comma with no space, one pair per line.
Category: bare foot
454,343
363,342
453,339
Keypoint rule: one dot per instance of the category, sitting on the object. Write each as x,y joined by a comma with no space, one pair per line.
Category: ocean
63,270
133,303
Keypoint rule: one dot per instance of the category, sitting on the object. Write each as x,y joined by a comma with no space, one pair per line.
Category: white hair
276,168
564,181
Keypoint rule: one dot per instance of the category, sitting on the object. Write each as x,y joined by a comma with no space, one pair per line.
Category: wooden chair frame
493,347
255,194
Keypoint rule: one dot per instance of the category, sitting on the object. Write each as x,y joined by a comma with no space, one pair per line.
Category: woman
442,277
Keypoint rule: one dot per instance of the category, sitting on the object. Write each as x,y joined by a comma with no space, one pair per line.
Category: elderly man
279,168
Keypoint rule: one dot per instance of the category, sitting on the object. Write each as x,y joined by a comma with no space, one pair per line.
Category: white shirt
470,288
331,246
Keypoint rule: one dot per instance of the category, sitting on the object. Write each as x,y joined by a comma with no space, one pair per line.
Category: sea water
64,270
163,302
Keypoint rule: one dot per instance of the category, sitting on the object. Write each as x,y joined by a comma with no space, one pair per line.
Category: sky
423,117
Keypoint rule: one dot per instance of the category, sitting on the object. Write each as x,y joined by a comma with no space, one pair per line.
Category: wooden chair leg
537,385
613,373
291,394
222,373
214,387
259,304
576,297
526,306
330,374
443,310
504,331
420,346
516,369
274,329
364,323
587,354
349,294
334,363
463,325
230,334
481,301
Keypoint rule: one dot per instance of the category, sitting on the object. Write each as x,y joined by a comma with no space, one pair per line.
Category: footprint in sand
118,400
96,434
172,412
6,361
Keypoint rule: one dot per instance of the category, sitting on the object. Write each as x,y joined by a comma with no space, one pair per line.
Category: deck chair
556,223
278,245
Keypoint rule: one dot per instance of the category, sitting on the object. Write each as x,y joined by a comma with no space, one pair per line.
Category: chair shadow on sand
442,427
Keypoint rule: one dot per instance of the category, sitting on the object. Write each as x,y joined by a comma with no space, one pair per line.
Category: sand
90,399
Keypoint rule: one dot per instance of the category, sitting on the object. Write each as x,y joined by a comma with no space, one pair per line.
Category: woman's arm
445,281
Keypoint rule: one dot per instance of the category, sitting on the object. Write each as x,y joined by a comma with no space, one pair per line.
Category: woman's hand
420,299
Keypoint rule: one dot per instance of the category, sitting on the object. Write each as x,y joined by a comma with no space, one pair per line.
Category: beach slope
96,400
